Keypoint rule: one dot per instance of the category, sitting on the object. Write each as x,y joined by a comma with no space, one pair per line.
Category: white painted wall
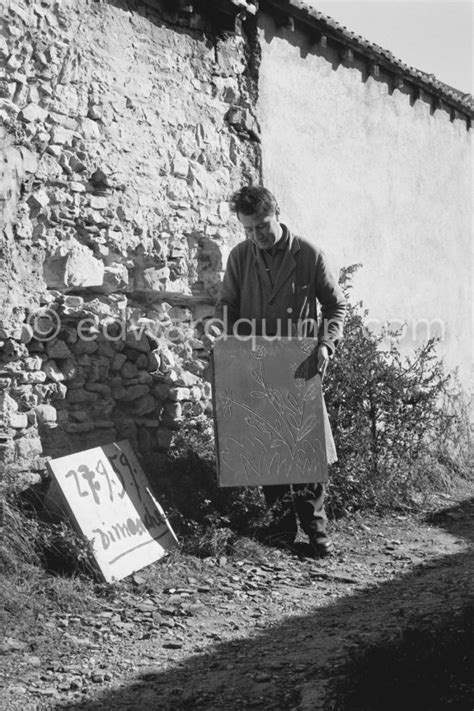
372,179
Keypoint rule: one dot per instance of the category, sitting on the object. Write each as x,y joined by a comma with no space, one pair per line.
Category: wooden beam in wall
346,54
374,70
398,82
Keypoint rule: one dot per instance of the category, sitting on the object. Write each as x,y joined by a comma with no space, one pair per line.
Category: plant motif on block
276,444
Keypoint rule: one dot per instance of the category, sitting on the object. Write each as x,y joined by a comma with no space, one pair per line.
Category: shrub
399,426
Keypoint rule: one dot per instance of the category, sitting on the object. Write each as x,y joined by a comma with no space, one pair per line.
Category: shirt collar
282,243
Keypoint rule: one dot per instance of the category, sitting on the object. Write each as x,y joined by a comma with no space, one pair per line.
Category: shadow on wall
305,662
319,46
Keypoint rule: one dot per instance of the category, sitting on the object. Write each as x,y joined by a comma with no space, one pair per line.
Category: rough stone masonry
125,126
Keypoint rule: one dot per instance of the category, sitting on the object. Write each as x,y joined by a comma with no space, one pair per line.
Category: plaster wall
376,178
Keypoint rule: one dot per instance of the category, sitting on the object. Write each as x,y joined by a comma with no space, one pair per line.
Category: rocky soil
261,628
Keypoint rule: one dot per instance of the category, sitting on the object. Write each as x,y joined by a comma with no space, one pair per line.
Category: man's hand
323,360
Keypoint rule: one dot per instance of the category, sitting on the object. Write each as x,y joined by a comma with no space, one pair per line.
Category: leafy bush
399,427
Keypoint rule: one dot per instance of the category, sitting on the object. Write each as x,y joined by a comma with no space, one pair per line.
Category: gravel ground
262,628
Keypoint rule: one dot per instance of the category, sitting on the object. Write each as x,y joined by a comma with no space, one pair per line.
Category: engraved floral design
226,401
279,443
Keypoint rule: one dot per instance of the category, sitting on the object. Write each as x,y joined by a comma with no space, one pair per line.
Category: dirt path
269,631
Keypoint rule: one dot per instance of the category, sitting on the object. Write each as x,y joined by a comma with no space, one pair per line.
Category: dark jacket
291,304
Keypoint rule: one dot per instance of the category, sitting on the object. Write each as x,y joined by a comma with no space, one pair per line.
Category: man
274,279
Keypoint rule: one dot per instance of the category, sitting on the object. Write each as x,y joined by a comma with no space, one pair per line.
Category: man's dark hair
252,200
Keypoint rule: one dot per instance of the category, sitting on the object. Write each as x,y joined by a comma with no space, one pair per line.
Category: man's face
263,230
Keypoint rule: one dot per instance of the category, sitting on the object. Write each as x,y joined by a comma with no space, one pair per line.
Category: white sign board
111,503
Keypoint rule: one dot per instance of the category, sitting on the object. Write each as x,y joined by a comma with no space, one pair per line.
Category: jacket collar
288,265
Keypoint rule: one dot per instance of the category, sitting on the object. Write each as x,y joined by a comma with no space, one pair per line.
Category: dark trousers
303,500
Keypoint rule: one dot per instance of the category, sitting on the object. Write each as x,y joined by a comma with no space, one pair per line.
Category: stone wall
124,133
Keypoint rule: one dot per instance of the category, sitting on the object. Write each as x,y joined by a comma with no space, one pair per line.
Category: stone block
206,390
144,378
62,135
53,372
76,165
138,342
101,388
77,268
98,202
180,166
193,409
195,393
80,395
178,286
142,361
69,369
57,349
18,420
161,391
76,187
32,419
119,392
135,391
155,279
82,346
118,361
37,376
115,279
38,199
28,448
173,410
143,405
177,394
46,414
89,129
30,160
167,359
128,370
33,363
53,391
33,112
73,303
106,350
187,379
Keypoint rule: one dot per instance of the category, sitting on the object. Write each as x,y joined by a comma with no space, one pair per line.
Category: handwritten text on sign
110,500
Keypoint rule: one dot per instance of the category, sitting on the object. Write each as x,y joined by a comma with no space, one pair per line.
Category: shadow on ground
406,643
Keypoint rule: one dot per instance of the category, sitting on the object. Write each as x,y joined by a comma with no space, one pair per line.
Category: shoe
321,546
